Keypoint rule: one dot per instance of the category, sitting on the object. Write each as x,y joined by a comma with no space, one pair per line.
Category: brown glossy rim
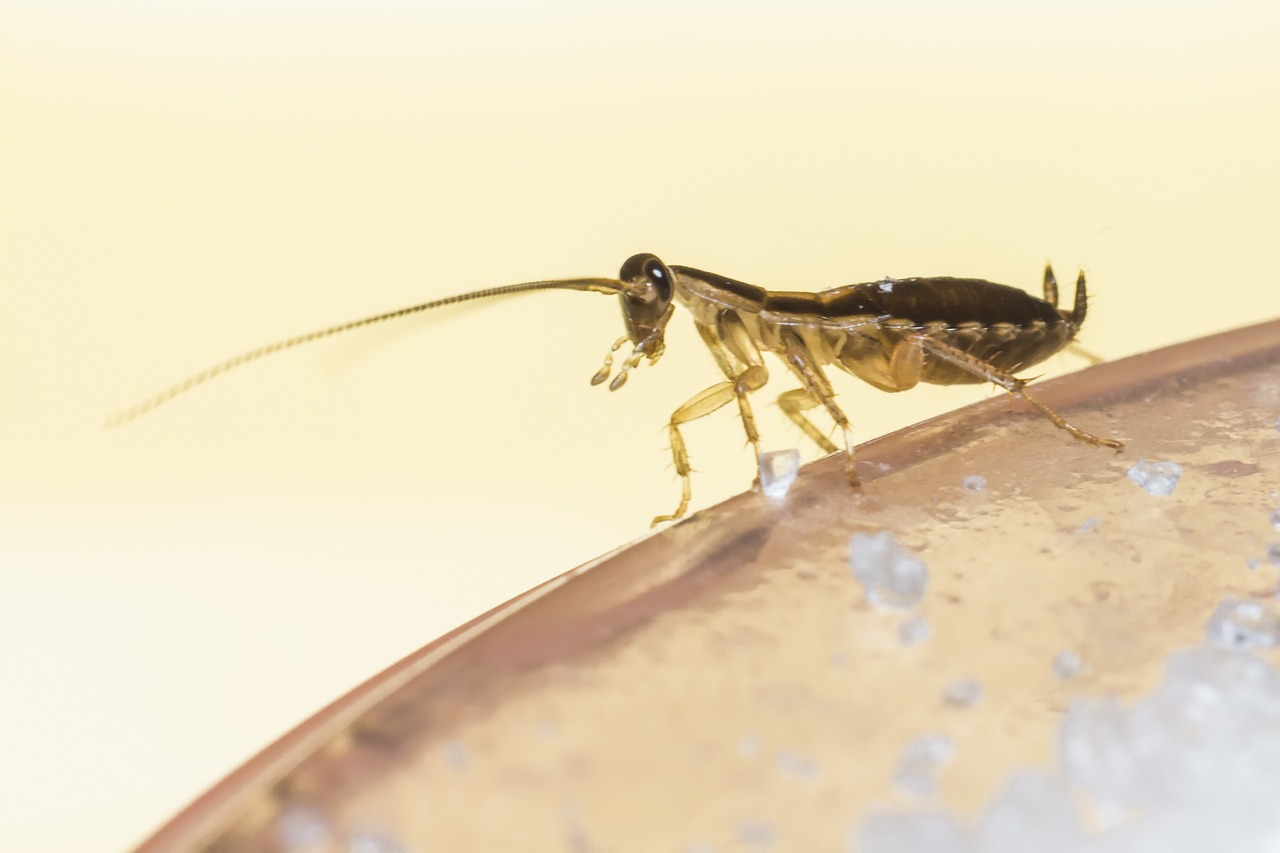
580,619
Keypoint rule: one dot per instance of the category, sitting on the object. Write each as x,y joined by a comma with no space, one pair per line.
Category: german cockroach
892,334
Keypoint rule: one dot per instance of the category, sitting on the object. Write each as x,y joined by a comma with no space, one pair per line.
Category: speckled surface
725,685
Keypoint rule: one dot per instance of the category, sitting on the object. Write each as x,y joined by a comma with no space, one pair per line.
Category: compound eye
650,270
659,276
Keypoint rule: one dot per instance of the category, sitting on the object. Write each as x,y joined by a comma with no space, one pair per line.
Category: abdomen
1002,326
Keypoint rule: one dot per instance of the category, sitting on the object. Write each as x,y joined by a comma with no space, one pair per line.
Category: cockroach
892,334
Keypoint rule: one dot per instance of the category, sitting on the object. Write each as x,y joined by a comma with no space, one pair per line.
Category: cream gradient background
182,181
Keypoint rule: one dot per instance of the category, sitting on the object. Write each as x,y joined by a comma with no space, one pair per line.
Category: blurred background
181,182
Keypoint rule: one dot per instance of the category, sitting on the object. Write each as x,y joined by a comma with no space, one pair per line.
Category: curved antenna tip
597,285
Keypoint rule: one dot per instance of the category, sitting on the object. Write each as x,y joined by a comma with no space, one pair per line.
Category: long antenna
598,285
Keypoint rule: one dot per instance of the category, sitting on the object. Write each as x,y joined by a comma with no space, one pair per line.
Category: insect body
893,334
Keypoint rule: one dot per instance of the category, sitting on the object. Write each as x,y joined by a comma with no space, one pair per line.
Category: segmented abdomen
1003,326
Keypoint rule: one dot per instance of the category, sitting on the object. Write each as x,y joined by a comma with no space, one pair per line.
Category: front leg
746,373
699,406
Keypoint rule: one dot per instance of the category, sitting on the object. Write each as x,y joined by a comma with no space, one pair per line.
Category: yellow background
180,182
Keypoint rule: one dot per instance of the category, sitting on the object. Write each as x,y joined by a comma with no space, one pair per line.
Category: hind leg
1010,383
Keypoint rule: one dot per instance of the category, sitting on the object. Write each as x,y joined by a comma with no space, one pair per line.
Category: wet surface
726,683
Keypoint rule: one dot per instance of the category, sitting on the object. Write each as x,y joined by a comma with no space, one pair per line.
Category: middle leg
818,386
794,404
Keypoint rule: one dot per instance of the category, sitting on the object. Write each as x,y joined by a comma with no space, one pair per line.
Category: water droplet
1158,478
888,574
920,760
778,469
1066,663
913,630
963,693
1243,624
